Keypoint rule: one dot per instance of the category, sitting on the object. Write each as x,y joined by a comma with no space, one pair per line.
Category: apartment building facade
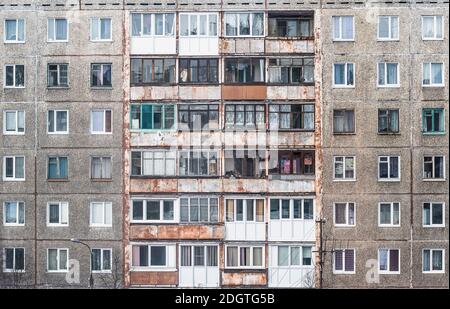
224,143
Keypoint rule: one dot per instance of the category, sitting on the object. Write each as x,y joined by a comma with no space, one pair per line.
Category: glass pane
158,256
283,255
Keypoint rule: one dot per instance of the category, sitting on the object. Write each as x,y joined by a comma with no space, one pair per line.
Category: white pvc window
13,213
389,261
14,31
57,30
343,75
153,210
344,261
101,214
13,168
433,260
14,260
14,76
432,27
388,28
344,214
388,214
433,74
289,256
101,260
57,260
244,24
198,24
244,256
389,168
57,214
343,28
13,122
58,122
388,74
433,215
101,121
100,29
152,24
344,168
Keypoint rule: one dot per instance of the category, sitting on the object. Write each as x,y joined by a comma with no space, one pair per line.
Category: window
150,256
244,257
14,76
344,75
101,75
244,70
198,71
153,163
389,261
100,29
198,24
285,162
57,75
343,28
13,168
57,168
433,74
57,30
152,24
432,27
389,214
152,116
344,261
202,256
14,260
388,121
101,121
245,163
100,214
245,116
57,260
196,209
198,117
291,209
101,168
344,168
248,210
198,163
388,168
290,26
244,24
14,30
344,214
433,167
152,71
294,256
58,122
433,215
433,260
343,121
291,116
13,122
13,213
153,210
433,120
58,214
388,74
291,70
101,260
388,28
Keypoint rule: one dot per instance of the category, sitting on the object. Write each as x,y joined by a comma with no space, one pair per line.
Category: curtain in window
396,210
10,121
351,213
394,120
257,256
20,76
437,260
347,27
61,29
106,167
230,211
147,160
96,259
97,213
426,214
97,121
211,257
136,24
393,260
96,171
106,259
10,212
232,256
147,22
438,26
159,24
212,24
349,260
426,74
199,256
385,213
340,213
436,71
394,27
428,26
193,25
105,27
258,70
214,210
336,27
108,213
52,259
259,210
383,27
349,164
135,255
245,256
394,167
94,29
339,74
185,252
10,29
383,257
169,24
62,259
391,73
283,255
244,24
258,24
19,167
184,23
53,213
308,209
426,260
295,256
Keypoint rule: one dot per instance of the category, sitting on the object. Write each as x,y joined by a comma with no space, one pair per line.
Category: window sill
344,180
17,271
58,87
388,86
389,133
57,180
434,272
14,42
102,41
435,180
339,226
101,87
101,179
13,87
343,40
13,133
343,87
433,86
13,225
100,226
344,133
389,180
12,180
57,271
436,226
387,40
291,84
433,133
389,272
344,272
